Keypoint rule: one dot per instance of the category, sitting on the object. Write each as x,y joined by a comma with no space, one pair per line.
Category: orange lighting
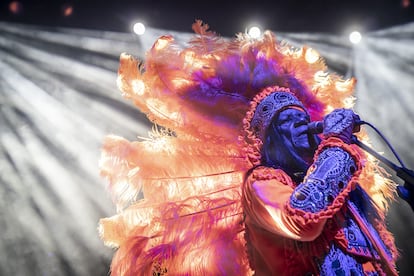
15,7
67,10
311,55
406,3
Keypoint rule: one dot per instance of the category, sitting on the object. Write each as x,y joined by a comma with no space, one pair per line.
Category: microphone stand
406,191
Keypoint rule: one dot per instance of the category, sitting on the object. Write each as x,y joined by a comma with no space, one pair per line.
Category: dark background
58,100
225,17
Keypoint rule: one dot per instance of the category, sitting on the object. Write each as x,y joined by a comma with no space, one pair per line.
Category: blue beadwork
357,241
338,121
270,106
336,262
331,173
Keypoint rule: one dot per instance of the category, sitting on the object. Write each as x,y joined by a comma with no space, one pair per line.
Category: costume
210,206
322,224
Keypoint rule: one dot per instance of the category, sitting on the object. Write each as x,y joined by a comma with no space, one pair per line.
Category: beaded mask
269,107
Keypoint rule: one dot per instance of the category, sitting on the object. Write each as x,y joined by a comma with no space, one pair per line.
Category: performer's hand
340,123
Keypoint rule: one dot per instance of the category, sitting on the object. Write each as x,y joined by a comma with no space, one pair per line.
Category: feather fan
178,191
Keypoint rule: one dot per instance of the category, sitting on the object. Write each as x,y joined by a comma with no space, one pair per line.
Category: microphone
317,127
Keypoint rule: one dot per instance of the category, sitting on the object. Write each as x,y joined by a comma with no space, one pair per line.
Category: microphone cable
385,140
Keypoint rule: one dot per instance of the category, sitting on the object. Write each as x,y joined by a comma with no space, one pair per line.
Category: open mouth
301,129
300,137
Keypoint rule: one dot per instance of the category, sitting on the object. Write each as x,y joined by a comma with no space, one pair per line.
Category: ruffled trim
338,203
268,173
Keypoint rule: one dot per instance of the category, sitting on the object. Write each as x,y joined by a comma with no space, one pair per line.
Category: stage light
67,10
254,32
355,37
405,3
139,28
15,7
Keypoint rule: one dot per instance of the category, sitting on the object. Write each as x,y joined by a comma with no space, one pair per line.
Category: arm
328,182
334,172
326,179
274,204
265,194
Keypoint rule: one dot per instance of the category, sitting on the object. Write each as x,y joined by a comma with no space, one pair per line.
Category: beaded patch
331,173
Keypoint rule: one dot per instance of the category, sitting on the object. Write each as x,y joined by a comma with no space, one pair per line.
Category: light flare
192,61
138,86
349,102
322,79
189,57
162,43
344,86
254,32
355,37
139,28
311,56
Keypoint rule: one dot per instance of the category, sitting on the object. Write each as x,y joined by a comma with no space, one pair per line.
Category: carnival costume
195,199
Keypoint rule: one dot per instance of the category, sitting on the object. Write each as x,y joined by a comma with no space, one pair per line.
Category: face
292,127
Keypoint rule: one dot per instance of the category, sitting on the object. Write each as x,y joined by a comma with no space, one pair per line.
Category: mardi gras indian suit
197,198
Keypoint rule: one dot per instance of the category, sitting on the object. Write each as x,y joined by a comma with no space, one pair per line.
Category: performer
320,224
232,181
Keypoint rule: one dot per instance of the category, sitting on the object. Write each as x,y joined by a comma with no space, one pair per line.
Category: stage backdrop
58,100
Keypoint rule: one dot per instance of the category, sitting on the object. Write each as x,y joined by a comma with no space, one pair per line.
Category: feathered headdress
178,192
